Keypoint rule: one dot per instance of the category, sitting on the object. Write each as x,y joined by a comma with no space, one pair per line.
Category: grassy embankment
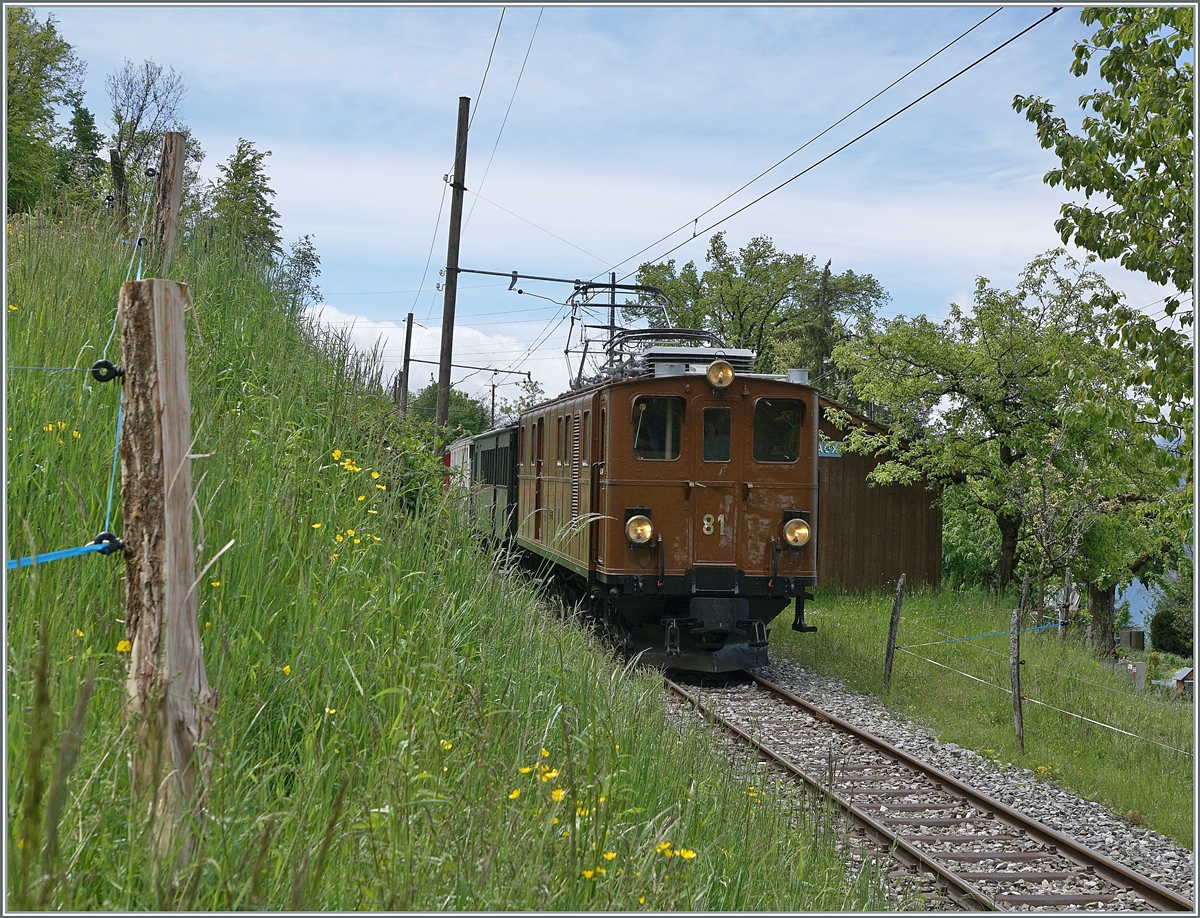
1147,783
400,724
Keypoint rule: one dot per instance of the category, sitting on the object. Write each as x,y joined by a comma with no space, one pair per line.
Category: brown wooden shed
868,536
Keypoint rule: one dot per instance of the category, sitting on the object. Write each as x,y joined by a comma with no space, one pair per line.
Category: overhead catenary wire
807,143
855,139
508,110
483,82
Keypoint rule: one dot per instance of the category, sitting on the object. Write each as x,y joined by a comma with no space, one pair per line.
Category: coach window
716,434
656,424
586,437
521,448
777,424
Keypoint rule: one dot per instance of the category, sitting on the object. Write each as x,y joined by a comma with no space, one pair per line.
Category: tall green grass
1138,776
400,724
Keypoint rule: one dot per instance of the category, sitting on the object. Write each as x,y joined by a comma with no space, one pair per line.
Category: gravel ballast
1142,849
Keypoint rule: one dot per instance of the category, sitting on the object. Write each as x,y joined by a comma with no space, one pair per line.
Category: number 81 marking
709,520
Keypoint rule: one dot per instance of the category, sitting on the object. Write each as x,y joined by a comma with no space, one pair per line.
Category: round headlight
639,529
797,532
720,374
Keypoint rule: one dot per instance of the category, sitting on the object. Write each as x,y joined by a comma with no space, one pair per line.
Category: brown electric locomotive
676,496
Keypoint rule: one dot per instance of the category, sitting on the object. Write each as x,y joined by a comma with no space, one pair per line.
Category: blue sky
628,122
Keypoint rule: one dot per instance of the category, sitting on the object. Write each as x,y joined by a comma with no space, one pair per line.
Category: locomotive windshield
656,423
777,429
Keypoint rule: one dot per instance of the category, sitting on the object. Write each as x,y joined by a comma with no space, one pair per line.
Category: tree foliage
41,72
145,103
241,200
1018,404
467,415
783,307
1135,155
1172,625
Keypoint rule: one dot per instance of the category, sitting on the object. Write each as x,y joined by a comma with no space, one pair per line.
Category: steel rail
1155,893
961,891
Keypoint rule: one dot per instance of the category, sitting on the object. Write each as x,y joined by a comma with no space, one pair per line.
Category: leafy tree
970,540
532,394
467,415
241,200
297,274
79,166
979,397
42,71
1171,627
1135,155
779,305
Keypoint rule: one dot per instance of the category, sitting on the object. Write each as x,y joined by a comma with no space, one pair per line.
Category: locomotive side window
656,424
777,429
716,434
587,437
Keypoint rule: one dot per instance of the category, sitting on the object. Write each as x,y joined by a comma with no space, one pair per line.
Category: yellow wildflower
357,541
20,842
557,794
381,487
374,474
337,454
62,425
515,794
524,769
123,646
76,434
78,633
601,871
331,710
664,848
214,583
554,821
350,532
550,775
545,754
609,855
316,525
581,811
208,624
588,874
642,900
12,308
287,670
686,853
338,538
375,537
445,744
373,511
362,497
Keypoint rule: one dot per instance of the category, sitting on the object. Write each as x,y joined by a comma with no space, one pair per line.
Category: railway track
983,854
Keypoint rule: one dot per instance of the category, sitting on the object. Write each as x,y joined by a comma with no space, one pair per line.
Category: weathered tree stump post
167,198
893,627
169,695
1014,664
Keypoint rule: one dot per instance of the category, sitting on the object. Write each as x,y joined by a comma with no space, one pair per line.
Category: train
673,496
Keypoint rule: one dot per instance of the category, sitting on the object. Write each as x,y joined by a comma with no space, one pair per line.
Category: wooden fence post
169,696
1014,664
120,189
893,627
167,197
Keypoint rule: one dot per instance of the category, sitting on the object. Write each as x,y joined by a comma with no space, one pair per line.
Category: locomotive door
539,455
717,468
